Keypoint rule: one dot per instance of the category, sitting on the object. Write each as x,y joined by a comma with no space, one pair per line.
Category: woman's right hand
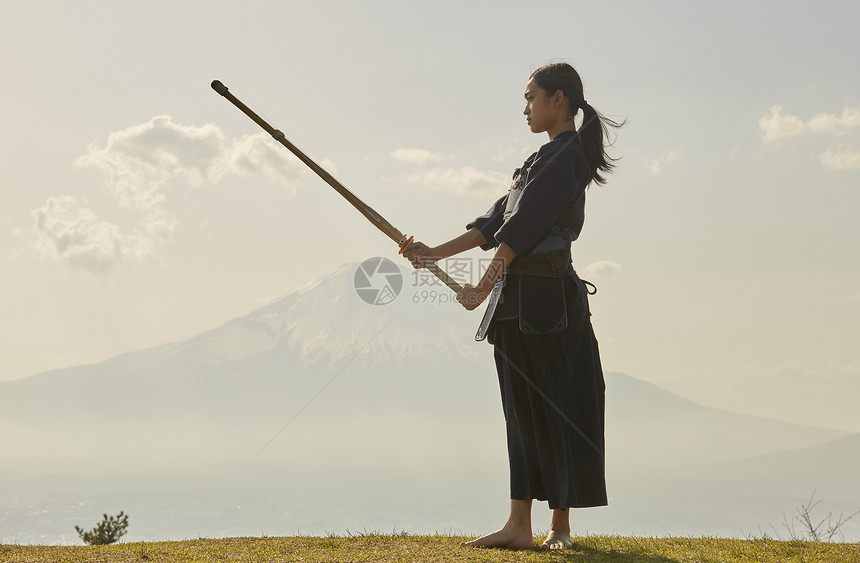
418,253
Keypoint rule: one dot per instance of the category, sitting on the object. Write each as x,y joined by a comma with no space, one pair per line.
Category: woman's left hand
470,297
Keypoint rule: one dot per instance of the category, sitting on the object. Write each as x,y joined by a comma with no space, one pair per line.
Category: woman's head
561,77
547,111
561,81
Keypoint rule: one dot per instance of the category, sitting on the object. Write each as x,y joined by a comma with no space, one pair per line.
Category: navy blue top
552,200
553,196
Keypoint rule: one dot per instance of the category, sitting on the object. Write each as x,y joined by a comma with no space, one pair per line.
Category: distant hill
660,429
414,360
831,468
321,412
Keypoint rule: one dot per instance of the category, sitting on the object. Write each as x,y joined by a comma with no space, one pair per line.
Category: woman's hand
418,253
470,297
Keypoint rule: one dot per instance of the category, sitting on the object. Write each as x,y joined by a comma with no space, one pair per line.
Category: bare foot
509,537
557,540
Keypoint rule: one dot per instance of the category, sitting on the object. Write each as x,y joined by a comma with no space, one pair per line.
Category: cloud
656,165
832,123
138,161
416,156
142,157
601,267
841,160
66,229
464,180
777,126
139,165
259,154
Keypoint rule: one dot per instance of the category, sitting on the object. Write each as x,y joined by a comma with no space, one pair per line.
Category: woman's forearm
467,241
501,259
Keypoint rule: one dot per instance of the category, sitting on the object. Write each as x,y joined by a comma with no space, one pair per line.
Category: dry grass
404,547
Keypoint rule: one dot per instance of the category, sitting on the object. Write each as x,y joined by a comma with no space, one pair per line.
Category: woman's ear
558,99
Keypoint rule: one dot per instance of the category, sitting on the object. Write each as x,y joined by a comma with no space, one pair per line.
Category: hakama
552,391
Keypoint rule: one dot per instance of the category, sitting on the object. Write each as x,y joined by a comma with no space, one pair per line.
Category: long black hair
594,131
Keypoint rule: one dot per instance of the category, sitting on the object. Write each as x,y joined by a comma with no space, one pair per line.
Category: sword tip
219,87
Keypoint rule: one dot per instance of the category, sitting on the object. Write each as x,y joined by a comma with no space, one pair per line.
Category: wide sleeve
490,222
551,186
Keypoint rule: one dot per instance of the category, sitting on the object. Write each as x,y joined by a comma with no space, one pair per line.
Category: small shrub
109,530
824,530
811,527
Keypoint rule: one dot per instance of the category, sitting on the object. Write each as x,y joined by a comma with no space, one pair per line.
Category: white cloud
137,161
66,229
841,160
260,154
416,156
465,180
138,165
601,267
832,123
656,165
777,126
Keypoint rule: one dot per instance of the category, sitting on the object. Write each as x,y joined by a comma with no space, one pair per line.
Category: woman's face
538,112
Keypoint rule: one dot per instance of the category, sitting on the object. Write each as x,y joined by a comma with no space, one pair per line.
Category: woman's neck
565,122
555,132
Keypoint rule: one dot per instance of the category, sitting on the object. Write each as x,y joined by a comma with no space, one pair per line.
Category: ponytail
593,134
594,131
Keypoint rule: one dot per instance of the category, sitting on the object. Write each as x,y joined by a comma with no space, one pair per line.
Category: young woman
538,317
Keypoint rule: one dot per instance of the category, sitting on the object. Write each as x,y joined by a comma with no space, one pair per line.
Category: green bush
109,530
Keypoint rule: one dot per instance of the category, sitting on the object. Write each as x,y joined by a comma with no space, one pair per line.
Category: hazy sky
139,207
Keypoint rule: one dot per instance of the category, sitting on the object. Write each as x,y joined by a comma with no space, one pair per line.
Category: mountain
287,346
322,411
652,427
411,359
830,467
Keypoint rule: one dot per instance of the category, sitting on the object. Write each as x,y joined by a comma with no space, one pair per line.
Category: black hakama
553,398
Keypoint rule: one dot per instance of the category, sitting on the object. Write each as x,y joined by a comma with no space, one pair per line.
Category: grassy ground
402,547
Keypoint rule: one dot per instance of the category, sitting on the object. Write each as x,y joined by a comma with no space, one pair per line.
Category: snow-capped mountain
334,405
415,354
